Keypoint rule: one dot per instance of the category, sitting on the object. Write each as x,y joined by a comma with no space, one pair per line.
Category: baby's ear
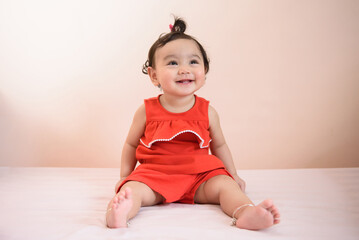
153,75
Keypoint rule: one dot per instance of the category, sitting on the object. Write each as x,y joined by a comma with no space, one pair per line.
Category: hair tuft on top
179,26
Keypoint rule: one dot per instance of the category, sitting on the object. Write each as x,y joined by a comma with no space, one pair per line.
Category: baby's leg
128,201
225,191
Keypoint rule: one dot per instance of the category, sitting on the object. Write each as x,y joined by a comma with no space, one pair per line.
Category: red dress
174,151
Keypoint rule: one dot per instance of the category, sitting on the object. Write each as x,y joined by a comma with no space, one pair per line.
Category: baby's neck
177,104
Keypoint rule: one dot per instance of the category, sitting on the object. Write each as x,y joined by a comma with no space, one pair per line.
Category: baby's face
179,68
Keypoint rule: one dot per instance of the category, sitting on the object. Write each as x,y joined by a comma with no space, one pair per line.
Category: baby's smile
184,81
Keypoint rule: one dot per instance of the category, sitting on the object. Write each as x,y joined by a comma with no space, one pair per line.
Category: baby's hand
240,182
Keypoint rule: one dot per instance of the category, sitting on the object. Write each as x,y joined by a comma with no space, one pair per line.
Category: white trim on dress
169,139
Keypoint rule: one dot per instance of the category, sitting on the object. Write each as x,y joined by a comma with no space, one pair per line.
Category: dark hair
177,32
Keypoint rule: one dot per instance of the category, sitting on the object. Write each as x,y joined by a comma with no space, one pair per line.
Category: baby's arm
128,158
219,147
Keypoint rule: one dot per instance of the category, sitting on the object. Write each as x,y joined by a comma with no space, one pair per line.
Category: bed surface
70,203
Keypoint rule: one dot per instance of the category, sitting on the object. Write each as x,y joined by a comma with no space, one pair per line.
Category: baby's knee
220,179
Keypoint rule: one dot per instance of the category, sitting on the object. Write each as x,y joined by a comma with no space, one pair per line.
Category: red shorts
173,187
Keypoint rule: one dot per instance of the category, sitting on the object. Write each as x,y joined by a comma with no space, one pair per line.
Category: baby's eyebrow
169,56
196,56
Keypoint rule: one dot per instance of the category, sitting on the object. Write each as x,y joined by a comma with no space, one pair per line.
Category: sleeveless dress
174,151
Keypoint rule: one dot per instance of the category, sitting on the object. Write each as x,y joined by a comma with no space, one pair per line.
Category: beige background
284,77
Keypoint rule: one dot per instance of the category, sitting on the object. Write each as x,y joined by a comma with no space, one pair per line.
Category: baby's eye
194,62
172,63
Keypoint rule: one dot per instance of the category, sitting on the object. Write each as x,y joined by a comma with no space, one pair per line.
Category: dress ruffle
165,131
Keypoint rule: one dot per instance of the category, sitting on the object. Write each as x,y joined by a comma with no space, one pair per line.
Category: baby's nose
183,70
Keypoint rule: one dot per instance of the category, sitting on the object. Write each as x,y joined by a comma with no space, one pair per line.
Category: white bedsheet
70,203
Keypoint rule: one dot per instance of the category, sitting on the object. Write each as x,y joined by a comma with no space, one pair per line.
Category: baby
178,141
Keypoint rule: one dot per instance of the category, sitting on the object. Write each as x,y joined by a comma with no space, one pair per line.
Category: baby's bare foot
120,206
258,217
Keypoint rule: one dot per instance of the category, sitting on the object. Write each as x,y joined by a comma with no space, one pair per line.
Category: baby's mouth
184,81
